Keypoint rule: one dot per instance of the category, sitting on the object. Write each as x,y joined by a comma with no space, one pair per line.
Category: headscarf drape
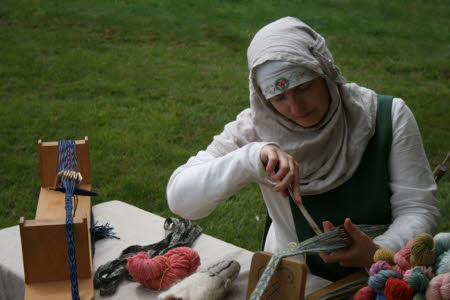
329,152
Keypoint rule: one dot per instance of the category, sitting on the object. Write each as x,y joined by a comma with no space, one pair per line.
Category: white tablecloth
134,226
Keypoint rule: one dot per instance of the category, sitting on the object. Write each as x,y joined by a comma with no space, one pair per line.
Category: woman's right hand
283,169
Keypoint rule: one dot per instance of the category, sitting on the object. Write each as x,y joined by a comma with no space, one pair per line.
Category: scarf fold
329,152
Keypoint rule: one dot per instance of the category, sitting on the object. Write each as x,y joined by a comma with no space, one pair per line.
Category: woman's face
305,104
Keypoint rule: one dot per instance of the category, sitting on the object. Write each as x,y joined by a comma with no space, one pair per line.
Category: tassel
103,231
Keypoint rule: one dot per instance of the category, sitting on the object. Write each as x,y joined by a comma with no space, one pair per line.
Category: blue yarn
99,232
418,281
67,160
377,281
103,231
381,297
441,243
442,264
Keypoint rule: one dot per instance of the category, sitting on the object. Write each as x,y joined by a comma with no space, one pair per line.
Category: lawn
151,82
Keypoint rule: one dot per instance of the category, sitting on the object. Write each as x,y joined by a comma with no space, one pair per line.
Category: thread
378,266
441,243
161,272
377,281
442,264
365,293
421,253
439,288
398,289
384,254
418,281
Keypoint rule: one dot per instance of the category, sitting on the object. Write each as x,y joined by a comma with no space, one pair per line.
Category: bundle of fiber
161,272
412,278
211,284
178,233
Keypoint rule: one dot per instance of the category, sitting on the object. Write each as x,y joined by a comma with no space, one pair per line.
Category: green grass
151,82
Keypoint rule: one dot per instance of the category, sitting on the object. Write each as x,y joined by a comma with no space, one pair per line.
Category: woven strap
67,161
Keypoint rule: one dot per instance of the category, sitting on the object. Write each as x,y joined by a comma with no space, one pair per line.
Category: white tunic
196,188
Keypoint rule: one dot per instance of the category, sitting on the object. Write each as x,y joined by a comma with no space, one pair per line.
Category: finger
329,257
351,229
327,226
283,168
272,163
287,179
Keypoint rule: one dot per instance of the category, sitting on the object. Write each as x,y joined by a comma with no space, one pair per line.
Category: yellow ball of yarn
422,251
384,254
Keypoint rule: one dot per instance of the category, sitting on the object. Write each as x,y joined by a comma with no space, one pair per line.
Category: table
134,226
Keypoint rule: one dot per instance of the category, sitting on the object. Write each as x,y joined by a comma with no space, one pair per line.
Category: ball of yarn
418,281
428,271
365,293
441,243
421,253
398,289
400,271
442,264
439,288
401,258
160,272
377,281
381,297
378,266
385,255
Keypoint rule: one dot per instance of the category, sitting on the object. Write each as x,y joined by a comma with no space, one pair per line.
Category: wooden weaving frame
44,244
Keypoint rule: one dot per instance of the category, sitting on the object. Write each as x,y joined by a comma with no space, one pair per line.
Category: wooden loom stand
289,280
44,244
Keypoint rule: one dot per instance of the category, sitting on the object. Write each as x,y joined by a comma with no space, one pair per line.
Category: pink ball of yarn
378,266
161,272
365,293
399,271
396,289
439,288
428,271
401,258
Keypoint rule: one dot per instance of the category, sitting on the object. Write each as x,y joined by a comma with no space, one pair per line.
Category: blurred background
151,82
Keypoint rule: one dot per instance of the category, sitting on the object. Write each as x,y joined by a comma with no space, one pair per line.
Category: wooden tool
44,245
440,169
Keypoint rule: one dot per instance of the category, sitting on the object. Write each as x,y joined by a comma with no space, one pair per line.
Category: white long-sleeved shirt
196,188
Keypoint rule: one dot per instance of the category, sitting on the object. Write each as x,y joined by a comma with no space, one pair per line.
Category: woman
348,154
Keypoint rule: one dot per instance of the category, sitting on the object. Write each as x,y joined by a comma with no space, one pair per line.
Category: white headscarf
329,152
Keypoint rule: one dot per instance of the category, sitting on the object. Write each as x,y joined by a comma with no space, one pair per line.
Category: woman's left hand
359,254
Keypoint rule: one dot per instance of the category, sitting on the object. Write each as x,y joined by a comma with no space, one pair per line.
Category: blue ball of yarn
418,281
441,243
381,297
377,281
442,264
